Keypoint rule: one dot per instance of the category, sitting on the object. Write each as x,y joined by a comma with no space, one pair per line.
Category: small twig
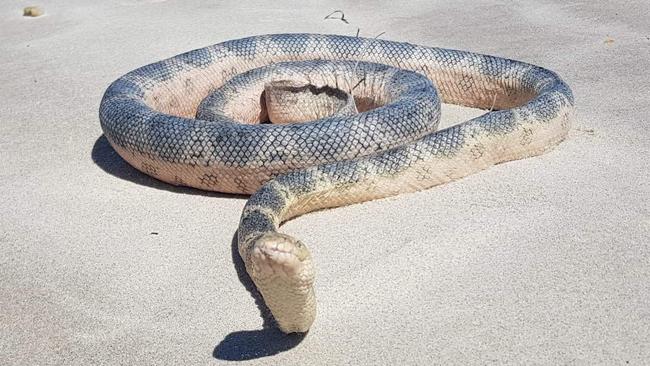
368,45
357,84
363,49
342,18
494,100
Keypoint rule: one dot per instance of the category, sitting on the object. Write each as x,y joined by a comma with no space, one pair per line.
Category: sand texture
539,261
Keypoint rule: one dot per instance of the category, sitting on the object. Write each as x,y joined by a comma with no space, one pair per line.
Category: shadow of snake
236,346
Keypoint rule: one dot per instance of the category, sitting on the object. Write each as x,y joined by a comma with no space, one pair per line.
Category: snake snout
280,254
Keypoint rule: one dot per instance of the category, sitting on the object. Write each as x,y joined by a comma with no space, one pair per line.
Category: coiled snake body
390,147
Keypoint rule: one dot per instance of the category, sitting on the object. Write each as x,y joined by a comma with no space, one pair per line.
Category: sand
540,261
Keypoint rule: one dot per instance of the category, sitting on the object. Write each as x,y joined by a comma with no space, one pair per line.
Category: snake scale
391,146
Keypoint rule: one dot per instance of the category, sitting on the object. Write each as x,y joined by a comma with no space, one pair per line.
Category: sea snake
199,119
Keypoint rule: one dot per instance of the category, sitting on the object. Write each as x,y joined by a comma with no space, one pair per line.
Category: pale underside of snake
196,120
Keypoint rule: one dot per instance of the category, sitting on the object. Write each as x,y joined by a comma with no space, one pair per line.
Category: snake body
148,116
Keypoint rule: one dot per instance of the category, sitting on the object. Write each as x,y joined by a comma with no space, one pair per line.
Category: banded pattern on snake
391,147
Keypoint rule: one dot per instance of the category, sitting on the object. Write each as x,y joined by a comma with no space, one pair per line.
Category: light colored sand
538,261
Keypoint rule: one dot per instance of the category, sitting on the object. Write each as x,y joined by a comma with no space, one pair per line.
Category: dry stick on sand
362,50
342,18
368,44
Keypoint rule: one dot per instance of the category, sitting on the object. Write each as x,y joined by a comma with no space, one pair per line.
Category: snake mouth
278,251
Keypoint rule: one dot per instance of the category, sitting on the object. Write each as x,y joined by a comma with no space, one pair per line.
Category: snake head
282,270
280,254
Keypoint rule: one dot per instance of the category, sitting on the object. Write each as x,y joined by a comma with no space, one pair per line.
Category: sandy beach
538,261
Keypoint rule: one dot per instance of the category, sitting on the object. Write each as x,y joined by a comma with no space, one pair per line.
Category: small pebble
32,11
